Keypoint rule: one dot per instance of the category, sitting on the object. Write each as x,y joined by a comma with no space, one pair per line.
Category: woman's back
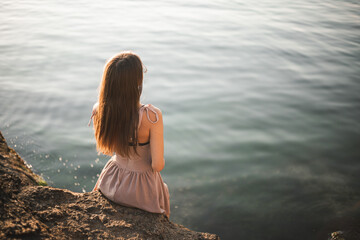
132,181
142,160
145,121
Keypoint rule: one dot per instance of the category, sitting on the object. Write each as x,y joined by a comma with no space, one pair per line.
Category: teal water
260,100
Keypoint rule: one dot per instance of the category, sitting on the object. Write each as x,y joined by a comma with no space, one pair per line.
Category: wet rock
30,210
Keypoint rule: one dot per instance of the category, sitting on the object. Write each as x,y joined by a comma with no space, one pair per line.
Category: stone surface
29,210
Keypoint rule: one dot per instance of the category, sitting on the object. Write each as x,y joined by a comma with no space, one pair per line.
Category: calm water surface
260,100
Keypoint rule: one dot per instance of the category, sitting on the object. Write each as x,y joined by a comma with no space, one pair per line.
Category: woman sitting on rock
132,133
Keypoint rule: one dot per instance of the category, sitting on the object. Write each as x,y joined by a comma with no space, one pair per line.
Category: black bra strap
140,144
143,144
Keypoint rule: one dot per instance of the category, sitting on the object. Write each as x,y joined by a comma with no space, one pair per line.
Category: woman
133,134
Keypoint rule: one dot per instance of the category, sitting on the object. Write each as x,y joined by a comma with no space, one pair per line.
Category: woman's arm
157,143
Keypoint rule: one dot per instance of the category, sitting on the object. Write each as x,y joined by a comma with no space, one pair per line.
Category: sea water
260,101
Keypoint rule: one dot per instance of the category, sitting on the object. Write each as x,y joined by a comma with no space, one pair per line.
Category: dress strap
147,107
93,112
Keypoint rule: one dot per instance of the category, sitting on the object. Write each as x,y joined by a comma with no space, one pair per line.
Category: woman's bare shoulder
154,112
156,109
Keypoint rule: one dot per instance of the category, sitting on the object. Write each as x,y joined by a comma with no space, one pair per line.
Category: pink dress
132,181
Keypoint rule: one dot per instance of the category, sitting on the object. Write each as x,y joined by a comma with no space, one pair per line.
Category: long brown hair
117,117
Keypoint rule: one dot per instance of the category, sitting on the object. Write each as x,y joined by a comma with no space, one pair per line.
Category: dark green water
260,100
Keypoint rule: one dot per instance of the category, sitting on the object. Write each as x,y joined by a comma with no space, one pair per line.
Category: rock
339,235
30,210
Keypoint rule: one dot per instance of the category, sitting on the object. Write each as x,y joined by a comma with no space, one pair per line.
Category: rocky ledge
30,210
